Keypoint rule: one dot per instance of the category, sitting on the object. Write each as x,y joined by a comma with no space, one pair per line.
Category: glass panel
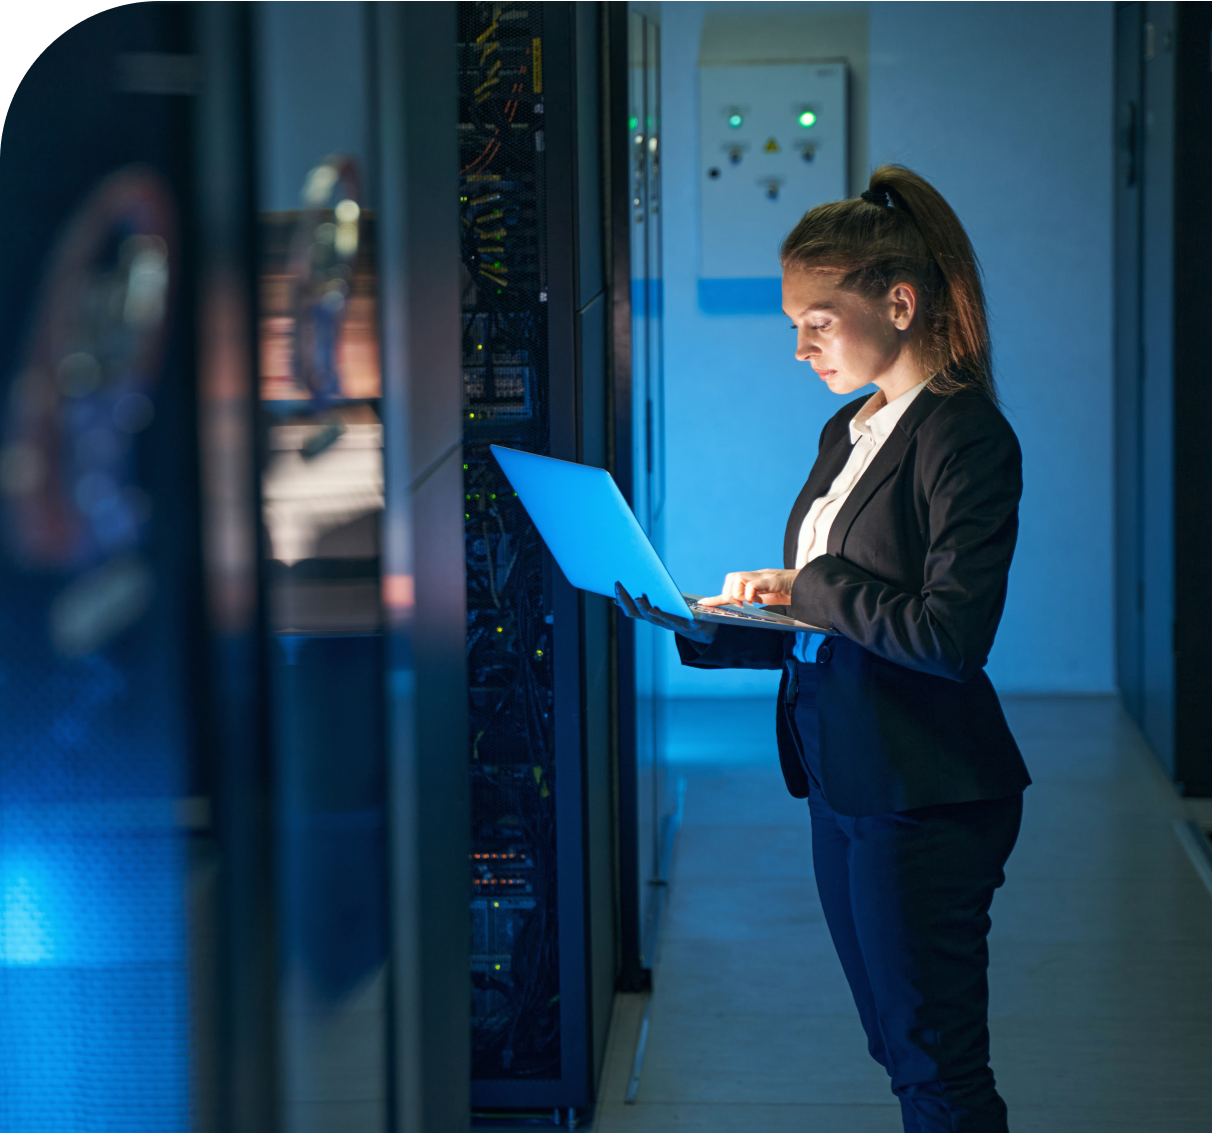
98,592
322,505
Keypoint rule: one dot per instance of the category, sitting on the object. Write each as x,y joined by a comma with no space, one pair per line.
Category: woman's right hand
639,607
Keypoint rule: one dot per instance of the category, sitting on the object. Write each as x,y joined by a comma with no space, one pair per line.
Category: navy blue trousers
906,897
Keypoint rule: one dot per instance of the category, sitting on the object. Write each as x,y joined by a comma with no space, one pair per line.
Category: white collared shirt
871,426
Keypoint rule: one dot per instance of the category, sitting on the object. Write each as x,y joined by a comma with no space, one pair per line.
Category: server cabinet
1162,194
534,344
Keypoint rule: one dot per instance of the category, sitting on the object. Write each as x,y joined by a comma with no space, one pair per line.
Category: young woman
899,546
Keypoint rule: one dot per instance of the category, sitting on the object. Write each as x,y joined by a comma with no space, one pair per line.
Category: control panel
772,145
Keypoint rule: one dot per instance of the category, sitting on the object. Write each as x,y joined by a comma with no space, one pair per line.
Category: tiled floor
1101,1008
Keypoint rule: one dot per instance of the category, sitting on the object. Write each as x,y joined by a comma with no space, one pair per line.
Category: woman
899,546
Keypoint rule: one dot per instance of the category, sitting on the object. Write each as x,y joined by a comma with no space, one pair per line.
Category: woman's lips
822,374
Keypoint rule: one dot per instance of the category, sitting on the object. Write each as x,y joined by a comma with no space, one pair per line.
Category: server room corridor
336,798
1099,980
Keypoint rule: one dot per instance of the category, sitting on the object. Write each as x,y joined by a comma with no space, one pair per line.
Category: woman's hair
901,230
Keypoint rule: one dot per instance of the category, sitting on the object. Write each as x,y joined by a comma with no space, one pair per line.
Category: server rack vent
515,969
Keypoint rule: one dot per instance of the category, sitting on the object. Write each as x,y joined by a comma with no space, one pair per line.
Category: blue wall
1007,109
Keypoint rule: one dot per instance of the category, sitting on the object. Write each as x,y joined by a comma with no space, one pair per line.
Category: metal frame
1192,471
632,974
233,913
429,795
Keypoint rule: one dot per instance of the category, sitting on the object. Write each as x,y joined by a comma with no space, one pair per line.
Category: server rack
1163,544
538,652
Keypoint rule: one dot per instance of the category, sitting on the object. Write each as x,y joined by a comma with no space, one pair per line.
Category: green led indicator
734,120
807,119
632,123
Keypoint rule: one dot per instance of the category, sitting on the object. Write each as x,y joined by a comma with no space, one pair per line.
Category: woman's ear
903,300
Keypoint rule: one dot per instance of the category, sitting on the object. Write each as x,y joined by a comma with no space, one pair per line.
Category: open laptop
598,541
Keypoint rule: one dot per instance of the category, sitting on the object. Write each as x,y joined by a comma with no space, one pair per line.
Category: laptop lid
589,528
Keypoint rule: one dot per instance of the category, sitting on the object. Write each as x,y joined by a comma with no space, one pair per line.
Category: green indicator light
632,123
734,120
807,119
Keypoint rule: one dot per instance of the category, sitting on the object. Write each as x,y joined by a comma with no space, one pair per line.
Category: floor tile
740,909
800,976
1065,1061
716,850
1170,907
759,1058
1104,983
691,1117
1141,1116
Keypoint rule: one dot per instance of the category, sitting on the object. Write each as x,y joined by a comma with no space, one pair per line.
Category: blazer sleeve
972,476
734,647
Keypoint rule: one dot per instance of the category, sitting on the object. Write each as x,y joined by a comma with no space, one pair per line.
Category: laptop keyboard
741,615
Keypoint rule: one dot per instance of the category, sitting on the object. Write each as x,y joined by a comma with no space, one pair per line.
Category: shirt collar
877,418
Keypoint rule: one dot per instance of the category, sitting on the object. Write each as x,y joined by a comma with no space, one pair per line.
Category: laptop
597,540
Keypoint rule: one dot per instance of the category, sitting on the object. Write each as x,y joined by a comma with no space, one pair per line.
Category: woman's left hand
768,587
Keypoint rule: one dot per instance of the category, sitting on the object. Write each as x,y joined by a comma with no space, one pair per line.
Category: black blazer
913,587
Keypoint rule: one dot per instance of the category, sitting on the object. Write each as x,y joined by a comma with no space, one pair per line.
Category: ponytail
901,229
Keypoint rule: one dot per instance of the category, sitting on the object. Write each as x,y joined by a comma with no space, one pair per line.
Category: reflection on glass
318,332
322,505
94,1015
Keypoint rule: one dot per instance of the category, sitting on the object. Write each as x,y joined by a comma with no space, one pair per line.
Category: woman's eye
820,326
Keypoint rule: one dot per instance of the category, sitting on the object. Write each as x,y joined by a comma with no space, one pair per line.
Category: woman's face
851,341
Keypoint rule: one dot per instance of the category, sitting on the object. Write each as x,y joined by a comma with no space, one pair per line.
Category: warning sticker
772,147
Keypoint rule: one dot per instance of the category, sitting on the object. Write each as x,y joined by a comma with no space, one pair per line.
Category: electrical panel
772,145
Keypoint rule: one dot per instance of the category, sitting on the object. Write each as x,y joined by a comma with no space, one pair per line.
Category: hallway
1101,982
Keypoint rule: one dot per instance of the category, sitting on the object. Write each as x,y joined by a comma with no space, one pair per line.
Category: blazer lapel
823,473
886,461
